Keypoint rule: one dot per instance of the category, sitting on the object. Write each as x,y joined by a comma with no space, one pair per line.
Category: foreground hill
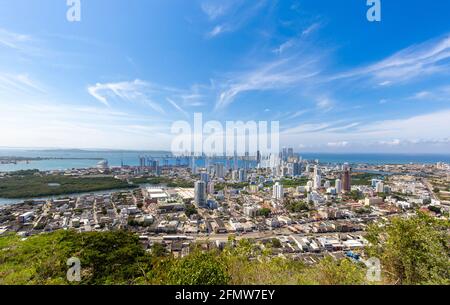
412,251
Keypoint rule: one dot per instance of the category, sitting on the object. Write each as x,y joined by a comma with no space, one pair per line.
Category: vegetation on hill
412,251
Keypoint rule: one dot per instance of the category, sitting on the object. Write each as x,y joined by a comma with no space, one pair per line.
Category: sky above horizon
122,75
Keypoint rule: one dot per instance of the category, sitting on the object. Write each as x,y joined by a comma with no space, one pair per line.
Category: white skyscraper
317,171
317,182
278,191
380,187
211,188
338,186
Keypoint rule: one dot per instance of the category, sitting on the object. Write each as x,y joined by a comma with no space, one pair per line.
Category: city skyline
122,75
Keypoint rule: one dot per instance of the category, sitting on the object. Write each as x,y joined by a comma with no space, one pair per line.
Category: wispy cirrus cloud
441,94
231,15
177,107
19,84
324,104
415,62
299,39
215,9
14,40
279,74
434,130
153,95
131,91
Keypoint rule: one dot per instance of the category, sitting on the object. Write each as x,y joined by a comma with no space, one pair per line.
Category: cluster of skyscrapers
284,164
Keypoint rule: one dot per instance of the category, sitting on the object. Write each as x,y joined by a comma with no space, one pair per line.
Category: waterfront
85,158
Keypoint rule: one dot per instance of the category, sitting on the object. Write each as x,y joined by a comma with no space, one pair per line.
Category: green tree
335,272
265,212
190,210
412,250
158,250
199,268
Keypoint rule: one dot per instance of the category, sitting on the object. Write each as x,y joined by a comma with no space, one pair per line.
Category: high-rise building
142,162
346,179
317,171
193,165
242,175
235,175
317,182
204,177
338,186
284,171
290,152
157,168
379,187
200,194
284,154
278,191
219,170
258,157
211,188
296,169
374,182
308,168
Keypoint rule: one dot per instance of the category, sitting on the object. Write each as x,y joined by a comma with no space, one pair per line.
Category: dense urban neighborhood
304,209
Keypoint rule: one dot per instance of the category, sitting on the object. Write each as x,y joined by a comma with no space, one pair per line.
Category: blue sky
120,77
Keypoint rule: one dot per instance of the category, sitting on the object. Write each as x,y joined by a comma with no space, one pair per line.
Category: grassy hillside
421,256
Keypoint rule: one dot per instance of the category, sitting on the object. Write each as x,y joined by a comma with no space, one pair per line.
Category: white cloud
13,40
324,104
177,107
426,133
214,9
19,84
394,142
133,91
284,46
338,144
232,14
45,124
296,41
311,29
281,74
218,29
435,94
414,62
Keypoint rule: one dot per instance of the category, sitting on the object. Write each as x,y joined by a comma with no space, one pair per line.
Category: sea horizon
64,159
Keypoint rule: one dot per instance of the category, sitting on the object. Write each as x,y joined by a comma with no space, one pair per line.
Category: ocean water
375,159
86,159
82,159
